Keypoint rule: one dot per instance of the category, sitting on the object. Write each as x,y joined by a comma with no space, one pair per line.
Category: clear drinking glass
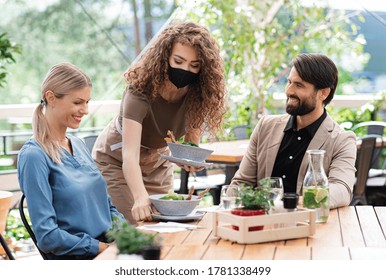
276,192
276,185
229,194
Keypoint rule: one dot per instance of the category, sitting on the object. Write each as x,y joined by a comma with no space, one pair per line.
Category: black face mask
181,78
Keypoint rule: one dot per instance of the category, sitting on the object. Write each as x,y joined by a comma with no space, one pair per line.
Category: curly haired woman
177,85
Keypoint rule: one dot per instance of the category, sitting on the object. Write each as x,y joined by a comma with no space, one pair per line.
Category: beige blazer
339,160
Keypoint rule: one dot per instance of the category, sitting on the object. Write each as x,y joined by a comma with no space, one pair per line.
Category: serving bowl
174,207
188,152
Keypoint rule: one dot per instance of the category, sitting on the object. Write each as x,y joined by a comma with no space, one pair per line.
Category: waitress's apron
157,173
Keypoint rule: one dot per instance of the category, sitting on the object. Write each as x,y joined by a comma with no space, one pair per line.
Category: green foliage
256,197
97,36
15,228
7,51
367,112
259,39
128,239
57,33
348,117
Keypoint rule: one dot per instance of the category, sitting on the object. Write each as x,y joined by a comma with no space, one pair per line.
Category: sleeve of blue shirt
114,212
34,176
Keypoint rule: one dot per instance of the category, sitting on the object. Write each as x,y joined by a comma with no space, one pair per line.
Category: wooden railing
26,110
22,113
112,106
339,101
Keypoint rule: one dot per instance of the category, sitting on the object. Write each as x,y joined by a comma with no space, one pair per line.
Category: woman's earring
43,102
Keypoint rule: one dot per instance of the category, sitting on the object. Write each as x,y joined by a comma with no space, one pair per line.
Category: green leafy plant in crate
128,239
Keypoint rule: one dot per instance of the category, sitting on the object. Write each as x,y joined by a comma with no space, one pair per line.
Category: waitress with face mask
177,85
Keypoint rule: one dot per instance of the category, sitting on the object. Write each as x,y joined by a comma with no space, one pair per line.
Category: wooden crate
278,226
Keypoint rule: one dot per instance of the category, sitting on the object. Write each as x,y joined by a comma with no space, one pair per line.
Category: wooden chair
376,182
363,165
371,128
28,227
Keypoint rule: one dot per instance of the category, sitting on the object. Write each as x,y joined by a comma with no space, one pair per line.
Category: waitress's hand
191,168
141,210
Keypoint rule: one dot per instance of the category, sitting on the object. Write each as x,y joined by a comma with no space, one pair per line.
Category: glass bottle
315,186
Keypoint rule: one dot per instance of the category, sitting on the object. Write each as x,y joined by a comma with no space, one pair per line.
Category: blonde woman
68,204
177,85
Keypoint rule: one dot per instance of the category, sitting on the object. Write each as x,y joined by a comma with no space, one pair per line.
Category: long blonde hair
61,79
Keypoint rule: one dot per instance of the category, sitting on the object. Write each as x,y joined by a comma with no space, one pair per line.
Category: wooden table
227,152
351,233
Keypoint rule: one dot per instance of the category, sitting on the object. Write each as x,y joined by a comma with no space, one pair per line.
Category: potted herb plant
132,243
254,200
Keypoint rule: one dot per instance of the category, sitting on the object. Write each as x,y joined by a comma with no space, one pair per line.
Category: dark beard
303,108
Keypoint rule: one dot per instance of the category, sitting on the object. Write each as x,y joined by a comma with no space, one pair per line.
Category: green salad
173,196
190,144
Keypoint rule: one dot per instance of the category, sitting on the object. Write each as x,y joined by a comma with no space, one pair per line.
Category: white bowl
188,152
174,207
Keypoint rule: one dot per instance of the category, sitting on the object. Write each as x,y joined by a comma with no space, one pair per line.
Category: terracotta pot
248,212
5,203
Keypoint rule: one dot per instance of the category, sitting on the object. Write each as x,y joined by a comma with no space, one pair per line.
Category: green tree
260,38
96,35
63,32
7,51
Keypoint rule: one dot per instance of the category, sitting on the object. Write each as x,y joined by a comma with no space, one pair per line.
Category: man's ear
325,92
49,96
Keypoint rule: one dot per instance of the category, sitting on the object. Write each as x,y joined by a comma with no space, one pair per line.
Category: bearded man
279,143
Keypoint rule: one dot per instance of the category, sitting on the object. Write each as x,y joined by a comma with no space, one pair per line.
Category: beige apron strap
116,146
118,126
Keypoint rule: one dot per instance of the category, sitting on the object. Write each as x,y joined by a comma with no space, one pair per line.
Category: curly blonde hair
206,97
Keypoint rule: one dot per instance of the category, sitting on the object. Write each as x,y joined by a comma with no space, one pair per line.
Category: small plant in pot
254,200
132,243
